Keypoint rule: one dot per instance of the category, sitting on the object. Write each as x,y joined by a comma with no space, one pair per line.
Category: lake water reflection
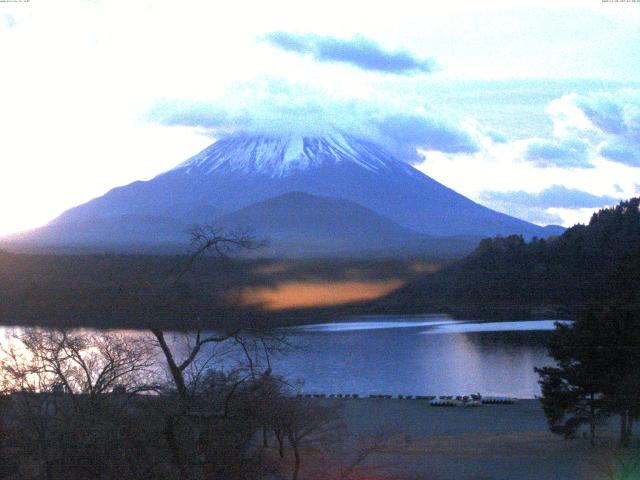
418,356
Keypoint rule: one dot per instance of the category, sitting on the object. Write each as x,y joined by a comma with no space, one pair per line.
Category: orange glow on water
316,294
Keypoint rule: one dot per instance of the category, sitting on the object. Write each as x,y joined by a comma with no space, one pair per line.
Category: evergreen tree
572,392
597,373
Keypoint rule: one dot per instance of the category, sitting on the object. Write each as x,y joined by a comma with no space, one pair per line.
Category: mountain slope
241,170
304,224
126,232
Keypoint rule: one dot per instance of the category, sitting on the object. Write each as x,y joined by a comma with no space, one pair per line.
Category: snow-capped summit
247,179
286,154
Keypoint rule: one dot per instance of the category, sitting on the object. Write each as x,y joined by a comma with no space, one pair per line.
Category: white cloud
582,125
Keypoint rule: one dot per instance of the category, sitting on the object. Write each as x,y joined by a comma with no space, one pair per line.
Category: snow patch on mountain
282,156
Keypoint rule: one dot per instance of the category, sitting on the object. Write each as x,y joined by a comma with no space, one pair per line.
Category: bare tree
304,423
76,363
204,240
188,365
178,369
352,458
57,381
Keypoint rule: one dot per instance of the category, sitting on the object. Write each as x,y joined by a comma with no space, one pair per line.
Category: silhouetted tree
65,413
598,360
572,392
189,425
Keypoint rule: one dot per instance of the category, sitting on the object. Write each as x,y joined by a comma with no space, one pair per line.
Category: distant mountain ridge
240,171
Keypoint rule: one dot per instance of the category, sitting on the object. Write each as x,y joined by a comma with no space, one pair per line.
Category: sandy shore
491,442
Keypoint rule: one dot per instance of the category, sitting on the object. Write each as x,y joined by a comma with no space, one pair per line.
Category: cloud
565,153
189,113
270,107
549,206
358,51
417,131
622,151
615,122
275,107
530,213
495,135
589,126
10,20
604,111
539,216
556,196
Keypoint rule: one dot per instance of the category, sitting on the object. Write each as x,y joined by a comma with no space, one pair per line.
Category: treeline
105,291
506,277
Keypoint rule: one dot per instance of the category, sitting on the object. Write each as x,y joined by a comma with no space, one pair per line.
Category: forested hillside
559,277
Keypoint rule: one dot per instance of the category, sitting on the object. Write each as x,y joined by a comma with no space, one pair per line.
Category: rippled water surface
418,355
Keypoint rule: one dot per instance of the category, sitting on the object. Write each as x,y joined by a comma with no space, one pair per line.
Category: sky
531,108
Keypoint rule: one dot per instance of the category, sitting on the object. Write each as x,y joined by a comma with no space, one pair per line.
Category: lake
421,355
408,355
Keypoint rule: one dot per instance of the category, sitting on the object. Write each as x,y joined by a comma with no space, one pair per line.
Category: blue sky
532,108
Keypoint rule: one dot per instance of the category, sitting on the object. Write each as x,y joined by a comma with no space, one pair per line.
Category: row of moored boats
473,400
470,401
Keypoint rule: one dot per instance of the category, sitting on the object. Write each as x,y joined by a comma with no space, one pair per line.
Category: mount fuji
319,191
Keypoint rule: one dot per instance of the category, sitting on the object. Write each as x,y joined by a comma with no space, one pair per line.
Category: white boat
445,402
